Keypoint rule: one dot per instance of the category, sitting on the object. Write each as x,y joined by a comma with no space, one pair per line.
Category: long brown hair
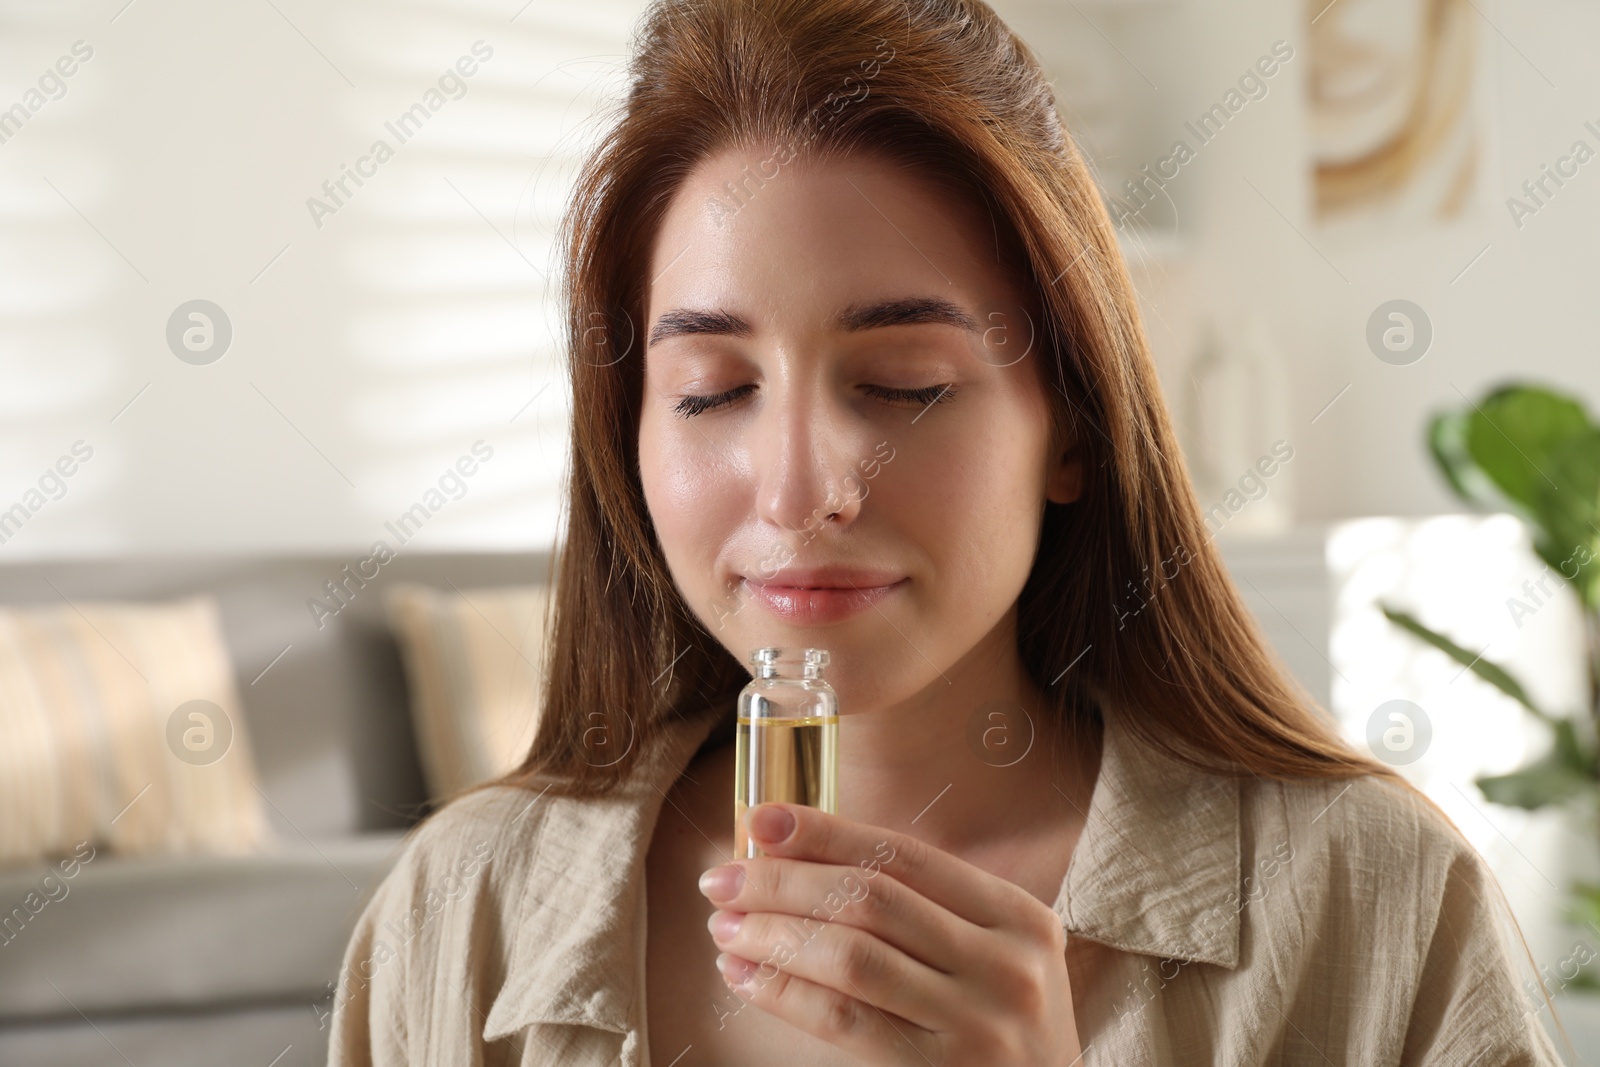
1126,590
1127,600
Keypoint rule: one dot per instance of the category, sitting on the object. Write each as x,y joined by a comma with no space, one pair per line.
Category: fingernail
771,823
720,883
734,970
724,924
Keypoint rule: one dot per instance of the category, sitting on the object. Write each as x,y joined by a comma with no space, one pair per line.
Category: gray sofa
203,959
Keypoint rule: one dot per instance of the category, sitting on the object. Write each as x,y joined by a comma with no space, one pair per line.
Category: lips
818,596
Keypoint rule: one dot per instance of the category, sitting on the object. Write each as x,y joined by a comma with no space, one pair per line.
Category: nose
807,474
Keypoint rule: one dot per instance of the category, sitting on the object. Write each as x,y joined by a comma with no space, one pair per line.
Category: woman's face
843,438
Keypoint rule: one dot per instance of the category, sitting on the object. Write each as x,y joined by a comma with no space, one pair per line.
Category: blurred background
283,422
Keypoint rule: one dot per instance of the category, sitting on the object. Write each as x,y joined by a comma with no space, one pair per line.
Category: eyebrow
906,311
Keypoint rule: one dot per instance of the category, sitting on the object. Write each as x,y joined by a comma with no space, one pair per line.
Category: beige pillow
120,726
473,660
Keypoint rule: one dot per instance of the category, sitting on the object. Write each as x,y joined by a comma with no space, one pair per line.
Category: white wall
1524,310
370,353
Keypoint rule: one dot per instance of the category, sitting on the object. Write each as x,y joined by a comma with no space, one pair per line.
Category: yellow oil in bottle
787,746
789,760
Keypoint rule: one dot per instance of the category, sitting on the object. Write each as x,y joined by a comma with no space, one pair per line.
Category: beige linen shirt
1210,921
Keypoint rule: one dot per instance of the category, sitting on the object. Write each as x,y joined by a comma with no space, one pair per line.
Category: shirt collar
1156,871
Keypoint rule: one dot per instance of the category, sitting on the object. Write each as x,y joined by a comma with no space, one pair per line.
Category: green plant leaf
1447,442
1586,979
1569,750
1569,511
1492,673
1511,435
1561,774
1547,781
1535,452
1584,905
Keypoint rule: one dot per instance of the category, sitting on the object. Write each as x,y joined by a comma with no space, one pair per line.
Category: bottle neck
783,664
796,672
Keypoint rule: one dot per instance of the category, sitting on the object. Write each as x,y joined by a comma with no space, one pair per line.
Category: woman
856,364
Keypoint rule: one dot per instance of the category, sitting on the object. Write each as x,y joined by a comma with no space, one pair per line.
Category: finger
858,1028
849,961
949,881
810,895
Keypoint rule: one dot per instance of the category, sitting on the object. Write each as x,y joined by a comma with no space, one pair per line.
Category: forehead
809,237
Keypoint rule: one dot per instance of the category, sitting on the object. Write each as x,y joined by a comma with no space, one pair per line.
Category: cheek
689,496
974,501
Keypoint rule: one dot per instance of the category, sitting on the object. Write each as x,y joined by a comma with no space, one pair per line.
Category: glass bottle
788,739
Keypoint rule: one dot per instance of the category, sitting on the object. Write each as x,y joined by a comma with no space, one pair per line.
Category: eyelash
690,406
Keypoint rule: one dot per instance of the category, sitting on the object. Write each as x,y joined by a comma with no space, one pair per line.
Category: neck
975,759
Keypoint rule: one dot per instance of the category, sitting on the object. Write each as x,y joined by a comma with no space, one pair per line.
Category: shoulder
490,847
1351,872
462,848
459,875
1397,913
467,847
1352,861
522,900
1376,856
1364,828
491,823
529,847
513,829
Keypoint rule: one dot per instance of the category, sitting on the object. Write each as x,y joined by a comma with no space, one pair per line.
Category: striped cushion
98,739
473,660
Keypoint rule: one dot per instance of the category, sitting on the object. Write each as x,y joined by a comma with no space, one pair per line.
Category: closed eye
690,406
931,394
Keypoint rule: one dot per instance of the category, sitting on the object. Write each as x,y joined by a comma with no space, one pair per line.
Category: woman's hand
895,951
